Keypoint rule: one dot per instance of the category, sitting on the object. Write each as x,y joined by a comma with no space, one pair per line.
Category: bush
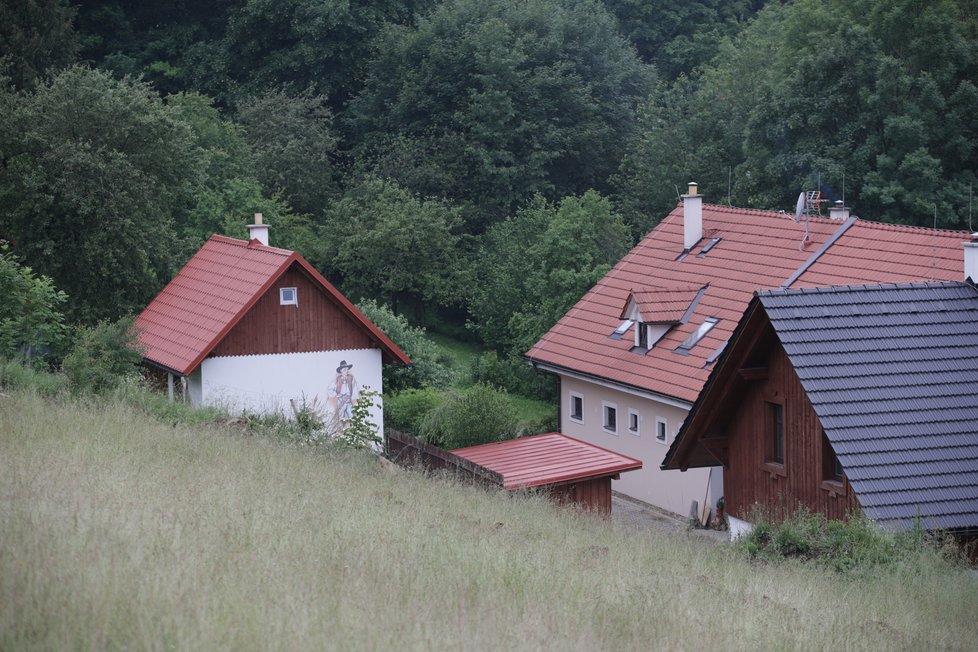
430,366
31,322
480,415
514,375
405,410
854,546
14,374
103,356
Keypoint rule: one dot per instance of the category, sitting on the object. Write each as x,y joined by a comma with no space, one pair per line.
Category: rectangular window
693,338
576,407
610,416
831,467
661,430
633,421
288,297
775,415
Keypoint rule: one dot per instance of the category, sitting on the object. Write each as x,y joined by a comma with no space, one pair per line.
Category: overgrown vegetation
856,546
478,415
123,532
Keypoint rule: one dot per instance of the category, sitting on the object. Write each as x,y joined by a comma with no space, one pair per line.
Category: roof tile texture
892,373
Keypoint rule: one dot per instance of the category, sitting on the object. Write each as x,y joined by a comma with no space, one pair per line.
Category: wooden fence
406,450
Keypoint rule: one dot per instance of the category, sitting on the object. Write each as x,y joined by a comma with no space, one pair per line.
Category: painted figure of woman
346,392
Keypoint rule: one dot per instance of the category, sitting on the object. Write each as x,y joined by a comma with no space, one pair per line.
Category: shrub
513,375
31,322
854,546
480,415
14,374
103,356
430,366
406,409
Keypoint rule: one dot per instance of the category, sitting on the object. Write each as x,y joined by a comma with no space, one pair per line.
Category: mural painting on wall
342,392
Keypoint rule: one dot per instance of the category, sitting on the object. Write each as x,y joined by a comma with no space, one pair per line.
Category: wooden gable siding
751,478
316,324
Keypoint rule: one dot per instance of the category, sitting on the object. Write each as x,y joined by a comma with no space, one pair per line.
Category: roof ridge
237,242
831,289
908,227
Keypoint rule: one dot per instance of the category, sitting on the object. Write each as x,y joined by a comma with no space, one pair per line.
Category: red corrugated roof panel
546,459
213,291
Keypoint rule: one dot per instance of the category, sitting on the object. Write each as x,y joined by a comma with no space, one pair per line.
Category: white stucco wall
267,384
671,490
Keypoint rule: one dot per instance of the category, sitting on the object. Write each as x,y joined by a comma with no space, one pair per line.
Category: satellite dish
799,206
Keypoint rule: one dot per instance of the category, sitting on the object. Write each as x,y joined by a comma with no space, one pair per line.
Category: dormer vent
655,310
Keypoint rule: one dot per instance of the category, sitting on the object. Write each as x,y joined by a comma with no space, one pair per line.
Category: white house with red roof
251,327
634,353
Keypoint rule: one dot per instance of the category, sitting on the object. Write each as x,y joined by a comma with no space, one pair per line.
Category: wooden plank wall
316,324
411,451
751,479
593,495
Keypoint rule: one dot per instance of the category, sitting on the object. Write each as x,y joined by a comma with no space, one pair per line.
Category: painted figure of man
346,392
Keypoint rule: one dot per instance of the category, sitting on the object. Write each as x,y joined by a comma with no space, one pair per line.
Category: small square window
661,430
633,422
610,417
288,297
576,407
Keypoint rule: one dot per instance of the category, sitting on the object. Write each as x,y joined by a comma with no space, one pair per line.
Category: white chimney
258,231
971,258
838,211
692,217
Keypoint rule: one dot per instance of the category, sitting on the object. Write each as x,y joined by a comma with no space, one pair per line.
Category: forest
473,165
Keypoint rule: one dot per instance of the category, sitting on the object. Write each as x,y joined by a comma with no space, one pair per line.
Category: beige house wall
670,490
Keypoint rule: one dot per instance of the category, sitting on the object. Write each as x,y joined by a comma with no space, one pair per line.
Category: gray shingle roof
892,372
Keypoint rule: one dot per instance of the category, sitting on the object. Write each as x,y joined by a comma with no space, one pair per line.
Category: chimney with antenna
971,259
258,231
692,217
839,211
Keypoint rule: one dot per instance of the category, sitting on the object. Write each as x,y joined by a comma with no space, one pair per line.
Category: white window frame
282,301
605,406
570,407
662,425
637,431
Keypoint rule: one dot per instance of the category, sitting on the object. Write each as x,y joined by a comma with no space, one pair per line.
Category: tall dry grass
121,533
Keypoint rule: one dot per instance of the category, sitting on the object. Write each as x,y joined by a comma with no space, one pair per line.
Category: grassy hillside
119,532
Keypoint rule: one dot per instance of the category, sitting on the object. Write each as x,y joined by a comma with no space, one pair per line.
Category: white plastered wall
267,384
671,490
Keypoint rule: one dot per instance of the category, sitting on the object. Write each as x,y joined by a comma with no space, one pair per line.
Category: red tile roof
213,291
757,250
663,305
546,459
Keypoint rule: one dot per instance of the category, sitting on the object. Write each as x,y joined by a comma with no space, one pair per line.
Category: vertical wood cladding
752,478
315,324
594,494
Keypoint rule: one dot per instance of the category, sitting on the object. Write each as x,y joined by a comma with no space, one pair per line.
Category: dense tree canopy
487,102
92,171
35,36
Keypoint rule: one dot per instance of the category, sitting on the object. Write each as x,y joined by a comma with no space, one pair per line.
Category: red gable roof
756,250
662,305
214,290
546,459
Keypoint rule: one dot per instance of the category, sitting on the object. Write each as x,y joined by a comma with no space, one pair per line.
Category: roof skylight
694,337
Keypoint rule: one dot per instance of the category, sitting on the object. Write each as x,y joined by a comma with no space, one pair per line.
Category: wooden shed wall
751,478
316,324
593,494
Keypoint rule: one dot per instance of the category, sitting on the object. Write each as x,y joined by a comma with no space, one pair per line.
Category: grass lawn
120,532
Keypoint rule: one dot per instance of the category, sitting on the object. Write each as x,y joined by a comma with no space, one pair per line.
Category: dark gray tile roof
892,372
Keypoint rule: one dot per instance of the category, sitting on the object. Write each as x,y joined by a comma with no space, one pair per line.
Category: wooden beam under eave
753,373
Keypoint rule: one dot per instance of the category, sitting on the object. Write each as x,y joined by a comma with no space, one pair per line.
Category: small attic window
288,297
697,335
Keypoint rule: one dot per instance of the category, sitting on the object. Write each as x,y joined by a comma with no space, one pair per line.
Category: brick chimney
692,217
838,211
971,258
258,231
